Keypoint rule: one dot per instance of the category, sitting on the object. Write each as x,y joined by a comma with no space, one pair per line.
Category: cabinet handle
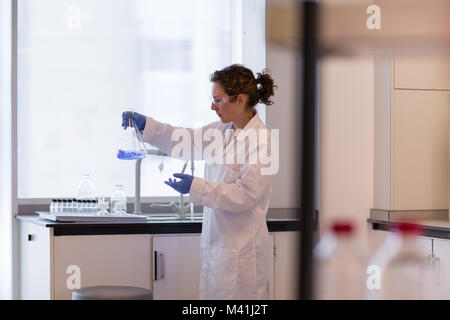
159,265
436,265
30,237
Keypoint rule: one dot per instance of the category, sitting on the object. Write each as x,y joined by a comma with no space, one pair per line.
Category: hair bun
265,87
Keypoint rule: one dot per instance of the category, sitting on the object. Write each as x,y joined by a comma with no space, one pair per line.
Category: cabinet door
419,150
441,250
176,267
35,261
431,73
286,265
123,260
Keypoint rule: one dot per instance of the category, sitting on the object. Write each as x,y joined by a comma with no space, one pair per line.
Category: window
81,63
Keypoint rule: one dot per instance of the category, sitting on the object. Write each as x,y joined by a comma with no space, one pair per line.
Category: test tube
59,206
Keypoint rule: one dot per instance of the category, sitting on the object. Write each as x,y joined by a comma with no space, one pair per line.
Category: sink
198,216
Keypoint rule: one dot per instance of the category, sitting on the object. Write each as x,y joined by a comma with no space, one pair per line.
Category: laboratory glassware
86,190
118,197
131,146
103,205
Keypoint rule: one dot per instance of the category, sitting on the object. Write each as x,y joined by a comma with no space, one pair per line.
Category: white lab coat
235,240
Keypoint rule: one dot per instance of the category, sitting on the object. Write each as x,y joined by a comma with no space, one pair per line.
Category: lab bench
163,256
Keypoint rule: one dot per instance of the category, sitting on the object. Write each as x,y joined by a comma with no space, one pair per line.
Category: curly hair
236,79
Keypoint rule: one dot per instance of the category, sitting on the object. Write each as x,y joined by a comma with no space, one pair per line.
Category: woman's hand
138,119
184,185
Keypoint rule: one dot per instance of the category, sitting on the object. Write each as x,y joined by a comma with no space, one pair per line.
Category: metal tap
181,208
137,180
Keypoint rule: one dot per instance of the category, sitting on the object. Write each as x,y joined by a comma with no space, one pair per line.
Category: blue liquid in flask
131,155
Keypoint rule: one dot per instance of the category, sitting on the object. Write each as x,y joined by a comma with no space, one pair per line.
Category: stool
112,293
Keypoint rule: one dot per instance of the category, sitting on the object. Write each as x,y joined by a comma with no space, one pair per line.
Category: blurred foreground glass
408,274
339,265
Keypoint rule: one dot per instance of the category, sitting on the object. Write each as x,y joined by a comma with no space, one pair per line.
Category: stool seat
112,293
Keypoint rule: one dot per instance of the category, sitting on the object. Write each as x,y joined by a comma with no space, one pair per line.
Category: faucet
137,180
181,208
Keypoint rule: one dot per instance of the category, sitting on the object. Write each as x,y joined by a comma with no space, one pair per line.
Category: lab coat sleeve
240,196
177,142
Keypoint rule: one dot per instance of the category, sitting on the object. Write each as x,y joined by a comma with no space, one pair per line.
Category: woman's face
224,108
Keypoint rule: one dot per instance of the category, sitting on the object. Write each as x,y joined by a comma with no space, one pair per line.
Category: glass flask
131,145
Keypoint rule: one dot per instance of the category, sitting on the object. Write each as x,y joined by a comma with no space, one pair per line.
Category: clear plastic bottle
118,198
407,274
53,206
103,206
339,265
86,190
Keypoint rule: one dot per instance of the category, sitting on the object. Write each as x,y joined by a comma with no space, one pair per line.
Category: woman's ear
242,99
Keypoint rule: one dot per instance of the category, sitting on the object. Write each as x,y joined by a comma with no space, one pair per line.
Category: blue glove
184,185
139,119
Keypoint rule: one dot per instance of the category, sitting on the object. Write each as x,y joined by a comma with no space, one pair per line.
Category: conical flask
131,144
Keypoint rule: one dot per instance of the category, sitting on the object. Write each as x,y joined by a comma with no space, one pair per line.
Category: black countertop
149,227
434,223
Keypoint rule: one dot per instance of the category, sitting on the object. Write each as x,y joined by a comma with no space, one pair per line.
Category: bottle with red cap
407,274
339,264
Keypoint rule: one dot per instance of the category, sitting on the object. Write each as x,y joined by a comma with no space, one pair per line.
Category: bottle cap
407,228
342,227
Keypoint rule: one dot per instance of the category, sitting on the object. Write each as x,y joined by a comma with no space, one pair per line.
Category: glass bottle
339,265
85,190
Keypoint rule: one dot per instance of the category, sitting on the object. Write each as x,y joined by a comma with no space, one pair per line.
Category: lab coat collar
253,123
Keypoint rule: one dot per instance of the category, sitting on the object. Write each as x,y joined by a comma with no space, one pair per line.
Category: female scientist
234,248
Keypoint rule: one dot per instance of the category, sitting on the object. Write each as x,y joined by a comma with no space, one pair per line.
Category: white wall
5,152
282,115
347,140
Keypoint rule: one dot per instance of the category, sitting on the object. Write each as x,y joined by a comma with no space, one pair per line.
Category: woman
235,194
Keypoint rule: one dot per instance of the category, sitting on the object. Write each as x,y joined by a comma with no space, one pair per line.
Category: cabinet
437,252
425,73
100,260
441,264
286,265
35,262
419,151
412,102
51,267
176,266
